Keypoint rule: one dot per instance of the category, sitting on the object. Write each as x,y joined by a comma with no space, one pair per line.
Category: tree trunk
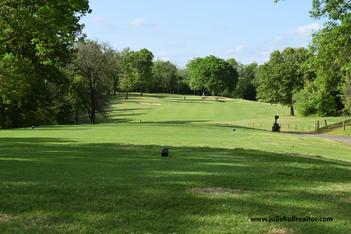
2,115
93,117
77,117
115,88
14,116
141,93
292,112
93,107
91,121
126,94
93,103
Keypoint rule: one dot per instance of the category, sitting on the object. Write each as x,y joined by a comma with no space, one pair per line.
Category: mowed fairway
111,178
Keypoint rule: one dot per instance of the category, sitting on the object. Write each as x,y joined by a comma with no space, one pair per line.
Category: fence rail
319,126
330,127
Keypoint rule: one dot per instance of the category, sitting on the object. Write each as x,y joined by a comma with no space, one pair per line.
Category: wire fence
307,127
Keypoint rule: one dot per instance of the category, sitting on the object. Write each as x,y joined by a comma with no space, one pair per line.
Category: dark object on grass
234,129
276,126
164,152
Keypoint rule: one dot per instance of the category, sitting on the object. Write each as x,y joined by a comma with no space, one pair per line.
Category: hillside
166,109
110,177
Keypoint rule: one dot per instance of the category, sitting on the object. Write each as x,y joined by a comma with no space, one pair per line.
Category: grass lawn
174,109
110,177
342,132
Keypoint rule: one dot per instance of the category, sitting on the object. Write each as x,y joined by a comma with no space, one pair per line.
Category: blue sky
179,30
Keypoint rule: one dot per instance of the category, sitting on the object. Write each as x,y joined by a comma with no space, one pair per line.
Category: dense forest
50,73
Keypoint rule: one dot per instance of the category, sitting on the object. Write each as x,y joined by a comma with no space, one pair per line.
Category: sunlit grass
111,178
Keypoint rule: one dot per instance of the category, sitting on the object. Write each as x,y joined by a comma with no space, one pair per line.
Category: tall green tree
212,75
183,82
36,40
235,64
246,87
282,76
165,77
43,31
334,10
330,64
129,76
113,68
143,62
331,61
92,81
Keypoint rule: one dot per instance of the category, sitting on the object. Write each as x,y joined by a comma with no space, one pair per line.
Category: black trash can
164,152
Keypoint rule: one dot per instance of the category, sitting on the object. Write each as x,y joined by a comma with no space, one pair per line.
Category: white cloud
306,30
297,37
163,56
164,59
138,23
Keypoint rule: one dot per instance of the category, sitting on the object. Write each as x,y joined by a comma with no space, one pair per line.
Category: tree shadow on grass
115,120
197,101
178,122
234,126
61,185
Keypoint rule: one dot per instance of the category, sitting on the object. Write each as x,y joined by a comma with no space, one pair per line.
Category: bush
313,101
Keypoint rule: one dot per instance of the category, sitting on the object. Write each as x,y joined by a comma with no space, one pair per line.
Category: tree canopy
165,77
282,76
212,75
37,39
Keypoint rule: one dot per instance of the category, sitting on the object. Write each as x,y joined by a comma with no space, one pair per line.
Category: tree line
51,74
98,72
316,80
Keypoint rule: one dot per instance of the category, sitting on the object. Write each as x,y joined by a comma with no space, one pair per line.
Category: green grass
342,132
110,177
194,109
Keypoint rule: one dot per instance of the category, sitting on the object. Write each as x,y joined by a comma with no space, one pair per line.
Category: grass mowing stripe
111,178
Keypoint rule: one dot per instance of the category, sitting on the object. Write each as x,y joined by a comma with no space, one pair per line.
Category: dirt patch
280,231
4,218
214,191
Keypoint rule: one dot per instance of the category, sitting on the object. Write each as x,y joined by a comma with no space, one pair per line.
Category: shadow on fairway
181,122
54,185
197,101
240,127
